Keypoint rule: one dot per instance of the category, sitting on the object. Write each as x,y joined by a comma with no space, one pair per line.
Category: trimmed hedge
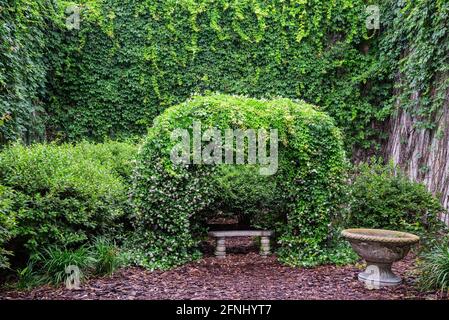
173,201
64,195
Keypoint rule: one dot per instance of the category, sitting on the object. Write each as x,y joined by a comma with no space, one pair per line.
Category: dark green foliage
415,45
53,261
171,201
65,195
26,42
383,197
49,266
132,59
251,196
106,255
433,268
7,223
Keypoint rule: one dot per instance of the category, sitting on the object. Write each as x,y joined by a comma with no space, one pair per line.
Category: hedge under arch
172,201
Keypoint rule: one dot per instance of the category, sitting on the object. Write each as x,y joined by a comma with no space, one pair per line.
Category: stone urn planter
380,248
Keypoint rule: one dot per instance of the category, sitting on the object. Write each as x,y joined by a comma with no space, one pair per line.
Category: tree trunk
422,153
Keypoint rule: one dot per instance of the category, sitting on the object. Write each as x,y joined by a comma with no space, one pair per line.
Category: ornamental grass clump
433,268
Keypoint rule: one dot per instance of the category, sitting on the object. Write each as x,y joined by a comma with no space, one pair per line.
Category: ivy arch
299,201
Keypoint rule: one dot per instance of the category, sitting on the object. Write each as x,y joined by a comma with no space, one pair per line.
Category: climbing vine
173,202
415,46
24,63
131,60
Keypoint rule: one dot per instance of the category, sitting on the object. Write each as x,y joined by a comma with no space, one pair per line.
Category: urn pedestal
380,248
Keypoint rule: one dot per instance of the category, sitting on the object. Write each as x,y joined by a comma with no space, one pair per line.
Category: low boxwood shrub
300,201
383,197
65,195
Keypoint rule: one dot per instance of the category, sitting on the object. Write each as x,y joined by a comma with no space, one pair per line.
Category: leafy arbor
300,201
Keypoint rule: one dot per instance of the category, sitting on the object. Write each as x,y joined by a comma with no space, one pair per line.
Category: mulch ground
242,275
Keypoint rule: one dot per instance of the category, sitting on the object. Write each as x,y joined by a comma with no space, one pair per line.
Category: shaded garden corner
131,131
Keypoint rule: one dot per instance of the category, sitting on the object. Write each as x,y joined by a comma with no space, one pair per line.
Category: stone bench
220,251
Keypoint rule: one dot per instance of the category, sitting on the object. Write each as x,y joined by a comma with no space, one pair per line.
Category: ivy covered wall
129,60
27,43
132,59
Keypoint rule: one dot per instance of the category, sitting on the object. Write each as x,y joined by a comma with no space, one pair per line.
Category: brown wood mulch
242,275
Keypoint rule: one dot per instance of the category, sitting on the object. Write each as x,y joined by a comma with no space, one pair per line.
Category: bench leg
220,250
264,246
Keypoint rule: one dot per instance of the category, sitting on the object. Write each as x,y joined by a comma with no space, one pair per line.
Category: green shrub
383,197
27,278
118,156
65,195
433,268
7,223
172,200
